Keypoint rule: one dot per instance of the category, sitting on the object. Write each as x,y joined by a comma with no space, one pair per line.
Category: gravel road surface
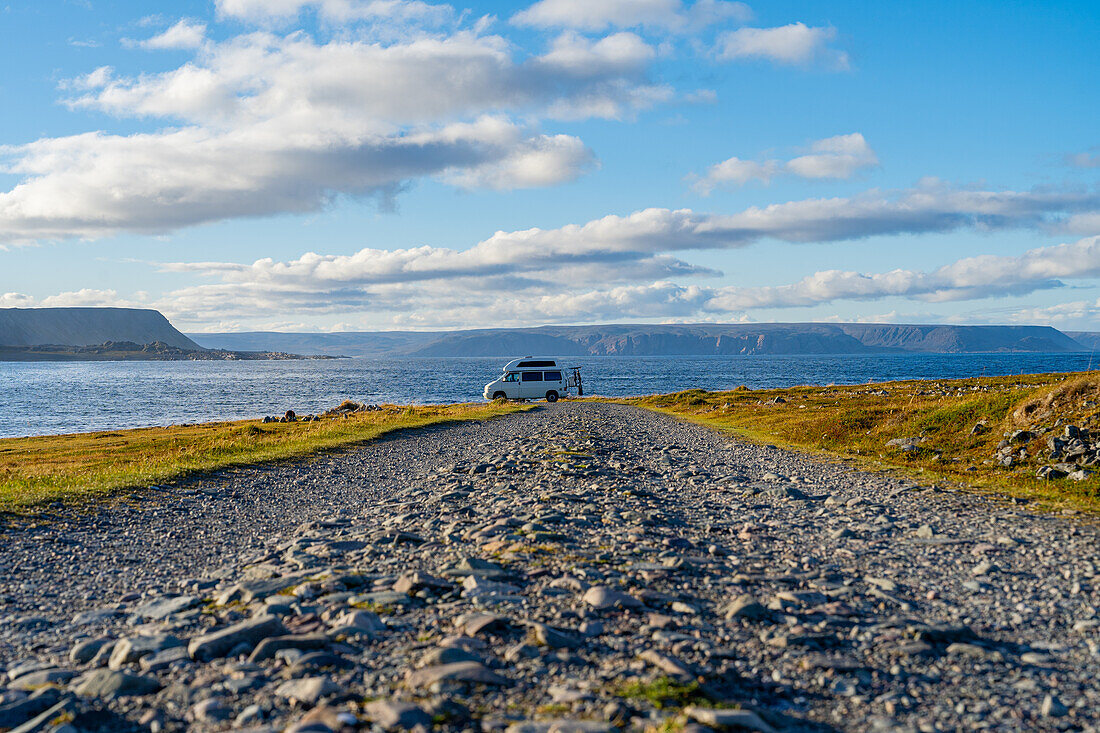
577,569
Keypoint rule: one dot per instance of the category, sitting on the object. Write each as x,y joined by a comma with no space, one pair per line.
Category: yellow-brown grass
37,470
855,422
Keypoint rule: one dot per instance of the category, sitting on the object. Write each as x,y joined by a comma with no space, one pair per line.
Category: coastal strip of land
1034,437
38,470
580,567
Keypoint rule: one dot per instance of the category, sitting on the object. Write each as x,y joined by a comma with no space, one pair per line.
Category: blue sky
380,164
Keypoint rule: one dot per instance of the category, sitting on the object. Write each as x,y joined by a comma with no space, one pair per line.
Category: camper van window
536,364
511,377
552,376
532,376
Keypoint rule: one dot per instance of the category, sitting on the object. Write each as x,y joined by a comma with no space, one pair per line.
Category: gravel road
577,569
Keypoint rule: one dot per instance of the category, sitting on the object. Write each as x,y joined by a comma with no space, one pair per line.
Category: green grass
35,471
663,692
855,422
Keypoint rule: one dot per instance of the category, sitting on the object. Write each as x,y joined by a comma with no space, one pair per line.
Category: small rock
553,638
85,651
747,607
456,672
307,690
728,719
211,711
1053,707
111,684
395,714
602,597
247,633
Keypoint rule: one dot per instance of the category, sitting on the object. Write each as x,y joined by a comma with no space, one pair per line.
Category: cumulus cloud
1084,313
95,185
792,45
646,235
656,15
16,300
335,11
841,156
570,286
534,162
970,278
186,34
624,266
273,123
84,297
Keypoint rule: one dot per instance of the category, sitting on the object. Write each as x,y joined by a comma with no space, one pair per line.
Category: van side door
511,385
531,385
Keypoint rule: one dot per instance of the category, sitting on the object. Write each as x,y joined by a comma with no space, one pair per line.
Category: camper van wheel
499,396
551,396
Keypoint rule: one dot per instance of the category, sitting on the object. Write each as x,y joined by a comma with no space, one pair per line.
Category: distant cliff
660,340
1089,339
87,327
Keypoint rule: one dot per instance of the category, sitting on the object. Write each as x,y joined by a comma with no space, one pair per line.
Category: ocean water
41,398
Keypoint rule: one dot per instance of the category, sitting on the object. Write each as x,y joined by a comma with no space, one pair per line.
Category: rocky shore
577,569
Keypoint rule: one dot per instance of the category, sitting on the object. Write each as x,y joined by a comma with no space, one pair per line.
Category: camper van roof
532,362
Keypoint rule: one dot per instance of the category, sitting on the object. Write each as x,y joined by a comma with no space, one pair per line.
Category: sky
334,165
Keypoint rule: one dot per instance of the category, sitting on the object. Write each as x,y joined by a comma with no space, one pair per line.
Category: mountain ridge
83,327
663,339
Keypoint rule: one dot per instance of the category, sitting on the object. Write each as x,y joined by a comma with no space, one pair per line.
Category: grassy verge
857,422
34,471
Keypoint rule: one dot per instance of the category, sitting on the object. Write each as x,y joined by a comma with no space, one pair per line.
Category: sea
49,398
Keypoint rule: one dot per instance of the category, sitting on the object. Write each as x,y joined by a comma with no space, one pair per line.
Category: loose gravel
577,569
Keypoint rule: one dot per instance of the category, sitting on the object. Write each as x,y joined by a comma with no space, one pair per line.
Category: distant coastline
698,339
130,334
130,351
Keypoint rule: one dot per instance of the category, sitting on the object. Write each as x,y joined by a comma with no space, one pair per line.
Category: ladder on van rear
575,381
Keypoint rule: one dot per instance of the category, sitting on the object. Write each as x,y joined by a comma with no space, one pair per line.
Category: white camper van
532,378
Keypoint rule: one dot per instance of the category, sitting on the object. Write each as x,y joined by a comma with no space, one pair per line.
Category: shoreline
952,431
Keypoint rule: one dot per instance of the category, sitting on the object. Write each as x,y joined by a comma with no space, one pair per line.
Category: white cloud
1084,160
644,236
622,266
274,123
1087,223
534,162
655,15
1083,313
87,297
335,11
186,34
502,282
361,86
794,45
841,156
95,185
16,300
736,171
834,157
